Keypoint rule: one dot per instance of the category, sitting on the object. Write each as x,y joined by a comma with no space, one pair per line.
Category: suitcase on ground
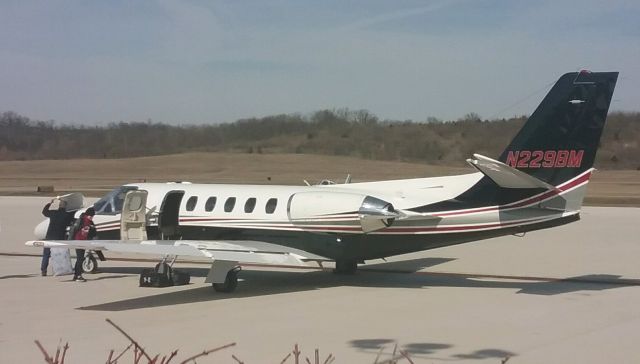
163,276
180,278
151,278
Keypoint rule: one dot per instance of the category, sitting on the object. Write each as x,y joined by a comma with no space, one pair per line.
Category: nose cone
41,229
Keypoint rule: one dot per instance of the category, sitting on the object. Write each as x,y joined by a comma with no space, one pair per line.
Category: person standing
86,230
59,220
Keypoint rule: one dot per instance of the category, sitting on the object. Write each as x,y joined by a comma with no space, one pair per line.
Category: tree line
342,132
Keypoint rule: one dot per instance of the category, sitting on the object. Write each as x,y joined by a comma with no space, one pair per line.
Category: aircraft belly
369,246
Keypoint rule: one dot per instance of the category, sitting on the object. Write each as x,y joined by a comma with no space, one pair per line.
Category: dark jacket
58,221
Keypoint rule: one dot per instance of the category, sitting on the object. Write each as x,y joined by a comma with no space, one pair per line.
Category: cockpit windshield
112,202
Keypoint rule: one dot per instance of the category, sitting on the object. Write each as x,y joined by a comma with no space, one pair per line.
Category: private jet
538,182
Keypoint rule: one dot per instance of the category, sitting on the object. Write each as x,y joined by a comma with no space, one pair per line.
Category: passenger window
250,205
191,203
229,204
271,205
210,204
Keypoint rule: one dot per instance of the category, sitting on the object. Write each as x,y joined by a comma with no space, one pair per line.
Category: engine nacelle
320,210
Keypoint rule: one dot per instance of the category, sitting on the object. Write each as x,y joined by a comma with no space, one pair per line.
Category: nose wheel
90,263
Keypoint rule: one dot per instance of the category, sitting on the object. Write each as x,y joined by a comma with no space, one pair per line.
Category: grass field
96,176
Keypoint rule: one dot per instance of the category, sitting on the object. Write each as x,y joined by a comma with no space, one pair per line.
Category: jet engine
320,209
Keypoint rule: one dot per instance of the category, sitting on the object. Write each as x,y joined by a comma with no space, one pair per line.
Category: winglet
506,176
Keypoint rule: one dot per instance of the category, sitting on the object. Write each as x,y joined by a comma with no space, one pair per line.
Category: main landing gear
223,276
346,266
230,282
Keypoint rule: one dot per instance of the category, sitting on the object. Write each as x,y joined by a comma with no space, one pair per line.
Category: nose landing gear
90,263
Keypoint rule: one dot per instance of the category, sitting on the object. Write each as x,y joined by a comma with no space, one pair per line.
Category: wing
233,251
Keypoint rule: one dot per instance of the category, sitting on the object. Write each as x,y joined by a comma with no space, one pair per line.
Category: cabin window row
230,203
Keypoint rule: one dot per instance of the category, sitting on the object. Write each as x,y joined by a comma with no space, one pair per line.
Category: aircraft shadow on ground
12,276
427,351
254,283
408,266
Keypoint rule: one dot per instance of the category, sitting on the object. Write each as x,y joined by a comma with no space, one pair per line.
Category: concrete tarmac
565,295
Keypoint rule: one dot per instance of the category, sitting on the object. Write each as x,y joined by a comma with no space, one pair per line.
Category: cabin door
169,216
133,220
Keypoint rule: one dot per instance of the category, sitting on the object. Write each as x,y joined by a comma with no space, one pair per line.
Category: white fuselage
357,212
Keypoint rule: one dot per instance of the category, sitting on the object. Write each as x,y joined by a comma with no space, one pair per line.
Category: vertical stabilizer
559,141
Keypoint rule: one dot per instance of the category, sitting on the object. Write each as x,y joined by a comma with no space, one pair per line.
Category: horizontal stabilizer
504,175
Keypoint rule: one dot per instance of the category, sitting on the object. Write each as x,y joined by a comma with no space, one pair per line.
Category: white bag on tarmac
61,261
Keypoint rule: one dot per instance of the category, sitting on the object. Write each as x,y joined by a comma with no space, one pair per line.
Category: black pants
46,254
77,272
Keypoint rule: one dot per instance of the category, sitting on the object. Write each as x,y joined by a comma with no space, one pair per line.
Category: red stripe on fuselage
530,200
279,225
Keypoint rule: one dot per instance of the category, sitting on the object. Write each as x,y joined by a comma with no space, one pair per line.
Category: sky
193,62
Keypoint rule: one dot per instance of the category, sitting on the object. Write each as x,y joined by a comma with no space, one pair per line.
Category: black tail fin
560,139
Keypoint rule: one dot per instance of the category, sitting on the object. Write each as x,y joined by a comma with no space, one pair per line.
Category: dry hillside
328,132
95,176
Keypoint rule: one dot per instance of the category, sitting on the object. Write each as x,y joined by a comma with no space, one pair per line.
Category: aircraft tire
346,266
90,264
230,282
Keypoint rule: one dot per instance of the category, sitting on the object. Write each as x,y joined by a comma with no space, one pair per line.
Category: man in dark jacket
59,220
